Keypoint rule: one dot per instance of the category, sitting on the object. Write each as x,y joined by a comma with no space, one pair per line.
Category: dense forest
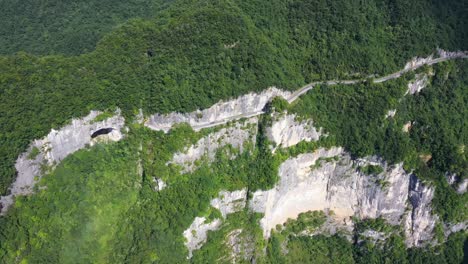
61,60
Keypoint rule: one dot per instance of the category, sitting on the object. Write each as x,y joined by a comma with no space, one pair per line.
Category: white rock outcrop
419,222
453,228
286,131
462,186
452,54
197,233
417,62
330,180
305,186
419,83
227,203
230,202
245,106
236,136
160,184
391,113
46,153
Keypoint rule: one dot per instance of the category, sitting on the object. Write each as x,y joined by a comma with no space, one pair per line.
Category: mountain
233,131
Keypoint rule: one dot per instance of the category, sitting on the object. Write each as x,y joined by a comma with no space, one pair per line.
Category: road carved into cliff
411,66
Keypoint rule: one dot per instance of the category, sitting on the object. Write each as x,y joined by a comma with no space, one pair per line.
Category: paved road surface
295,95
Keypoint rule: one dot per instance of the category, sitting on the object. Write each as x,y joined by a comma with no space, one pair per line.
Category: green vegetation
241,227
103,116
77,217
34,152
371,169
163,56
308,221
182,57
354,117
378,224
65,27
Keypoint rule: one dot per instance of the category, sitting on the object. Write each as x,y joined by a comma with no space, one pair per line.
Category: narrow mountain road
413,65
392,76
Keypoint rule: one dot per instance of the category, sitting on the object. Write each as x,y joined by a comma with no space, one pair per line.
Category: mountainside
234,131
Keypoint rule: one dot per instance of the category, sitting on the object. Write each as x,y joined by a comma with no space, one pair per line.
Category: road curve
413,65
395,75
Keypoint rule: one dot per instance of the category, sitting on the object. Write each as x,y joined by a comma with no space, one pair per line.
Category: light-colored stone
286,131
461,189
245,106
419,221
419,83
236,136
56,146
197,233
406,127
390,113
227,203
329,180
160,184
230,202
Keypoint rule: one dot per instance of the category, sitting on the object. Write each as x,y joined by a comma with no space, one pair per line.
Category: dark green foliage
189,54
264,168
77,214
316,249
65,27
305,221
164,56
217,250
354,115
33,154
371,169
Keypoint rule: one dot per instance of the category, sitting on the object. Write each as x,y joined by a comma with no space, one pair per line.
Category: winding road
411,66
395,75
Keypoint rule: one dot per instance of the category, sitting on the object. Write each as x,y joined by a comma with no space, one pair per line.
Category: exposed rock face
458,184
226,203
242,246
390,113
307,186
160,184
373,236
317,181
453,228
286,131
230,202
419,222
452,54
407,127
419,83
386,199
417,62
451,178
461,189
248,105
196,234
442,55
57,145
236,136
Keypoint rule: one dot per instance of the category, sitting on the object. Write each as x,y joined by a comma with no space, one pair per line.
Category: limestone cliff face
247,105
419,221
286,131
227,203
44,154
236,135
419,83
330,180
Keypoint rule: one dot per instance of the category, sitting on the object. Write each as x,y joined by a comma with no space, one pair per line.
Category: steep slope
214,161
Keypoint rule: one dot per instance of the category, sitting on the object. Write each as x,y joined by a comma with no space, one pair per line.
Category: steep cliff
44,154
